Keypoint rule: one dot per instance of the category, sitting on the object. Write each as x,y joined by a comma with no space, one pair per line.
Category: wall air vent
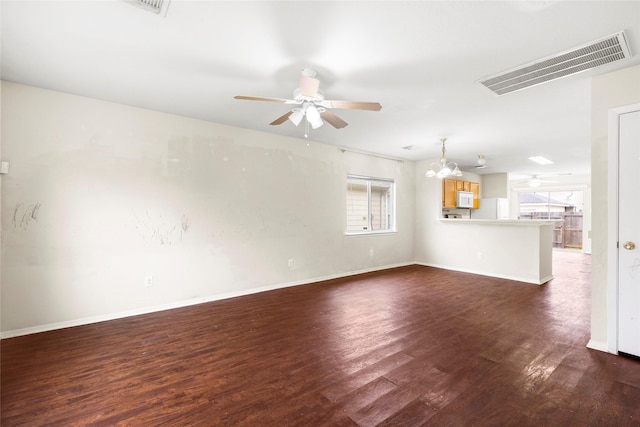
582,58
155,6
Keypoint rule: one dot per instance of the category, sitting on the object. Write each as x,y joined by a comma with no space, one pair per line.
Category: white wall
495,185
101,195
608,91
1,228
430,231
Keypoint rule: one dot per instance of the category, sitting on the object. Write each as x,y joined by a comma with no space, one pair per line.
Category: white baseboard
545,280
184,303
598,345
484,273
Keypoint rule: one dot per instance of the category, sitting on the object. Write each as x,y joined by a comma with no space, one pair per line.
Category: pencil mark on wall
158,229
23,215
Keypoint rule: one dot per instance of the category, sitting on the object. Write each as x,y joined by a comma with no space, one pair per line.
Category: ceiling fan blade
353,105
280,120
257,98
333,120
309,86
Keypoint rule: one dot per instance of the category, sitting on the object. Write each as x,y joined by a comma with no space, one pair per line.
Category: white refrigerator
491,209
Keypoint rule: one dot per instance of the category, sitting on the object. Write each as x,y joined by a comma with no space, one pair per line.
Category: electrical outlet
148,281
480,256
371,252
291,264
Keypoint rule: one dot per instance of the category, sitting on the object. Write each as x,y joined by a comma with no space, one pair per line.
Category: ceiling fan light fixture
481,160
297,116
313,116
430,173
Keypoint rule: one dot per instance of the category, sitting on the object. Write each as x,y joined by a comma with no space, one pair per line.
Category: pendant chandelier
445,168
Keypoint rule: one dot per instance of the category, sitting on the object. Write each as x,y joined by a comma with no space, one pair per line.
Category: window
566,206
549,204
370,205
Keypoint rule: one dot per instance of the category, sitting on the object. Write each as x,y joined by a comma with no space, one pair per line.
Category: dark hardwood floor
405,347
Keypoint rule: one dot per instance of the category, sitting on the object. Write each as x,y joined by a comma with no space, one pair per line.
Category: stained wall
101,196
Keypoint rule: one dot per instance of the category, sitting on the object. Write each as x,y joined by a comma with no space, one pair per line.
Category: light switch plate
4,167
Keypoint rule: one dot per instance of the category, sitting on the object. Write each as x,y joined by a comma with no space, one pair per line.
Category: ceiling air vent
155,6
590,55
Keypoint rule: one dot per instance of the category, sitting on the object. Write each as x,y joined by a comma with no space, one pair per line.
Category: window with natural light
564,206
370,205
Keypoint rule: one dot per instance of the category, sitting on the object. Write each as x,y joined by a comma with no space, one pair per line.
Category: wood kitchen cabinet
449,188
474,187
463,186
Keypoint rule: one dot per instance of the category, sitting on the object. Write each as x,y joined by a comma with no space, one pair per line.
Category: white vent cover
590,55
155,6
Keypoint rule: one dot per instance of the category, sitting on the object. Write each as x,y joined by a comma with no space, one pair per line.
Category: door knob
629,245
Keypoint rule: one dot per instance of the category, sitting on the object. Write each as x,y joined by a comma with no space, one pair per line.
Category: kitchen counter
518,222
512,249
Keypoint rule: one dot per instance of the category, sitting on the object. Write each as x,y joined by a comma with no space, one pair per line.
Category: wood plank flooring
410,346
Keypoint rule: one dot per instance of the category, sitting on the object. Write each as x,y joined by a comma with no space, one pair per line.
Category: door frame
612,223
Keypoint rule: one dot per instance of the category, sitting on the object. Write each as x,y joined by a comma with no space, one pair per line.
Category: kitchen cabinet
449,188
474,187
463,185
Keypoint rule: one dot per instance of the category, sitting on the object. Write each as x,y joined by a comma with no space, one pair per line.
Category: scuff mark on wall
157,229
184,225
23,215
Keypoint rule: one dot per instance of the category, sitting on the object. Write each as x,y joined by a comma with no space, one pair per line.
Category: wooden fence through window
566,234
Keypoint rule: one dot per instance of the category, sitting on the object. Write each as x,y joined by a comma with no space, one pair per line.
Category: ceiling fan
535,181
311,105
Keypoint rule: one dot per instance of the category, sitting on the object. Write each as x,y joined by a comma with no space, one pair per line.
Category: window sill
371,233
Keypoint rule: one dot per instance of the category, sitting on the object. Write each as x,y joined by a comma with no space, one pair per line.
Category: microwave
464,199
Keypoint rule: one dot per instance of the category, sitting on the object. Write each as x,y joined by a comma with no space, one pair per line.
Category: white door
629,234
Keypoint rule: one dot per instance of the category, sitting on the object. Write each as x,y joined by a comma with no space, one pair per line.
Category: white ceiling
420,59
